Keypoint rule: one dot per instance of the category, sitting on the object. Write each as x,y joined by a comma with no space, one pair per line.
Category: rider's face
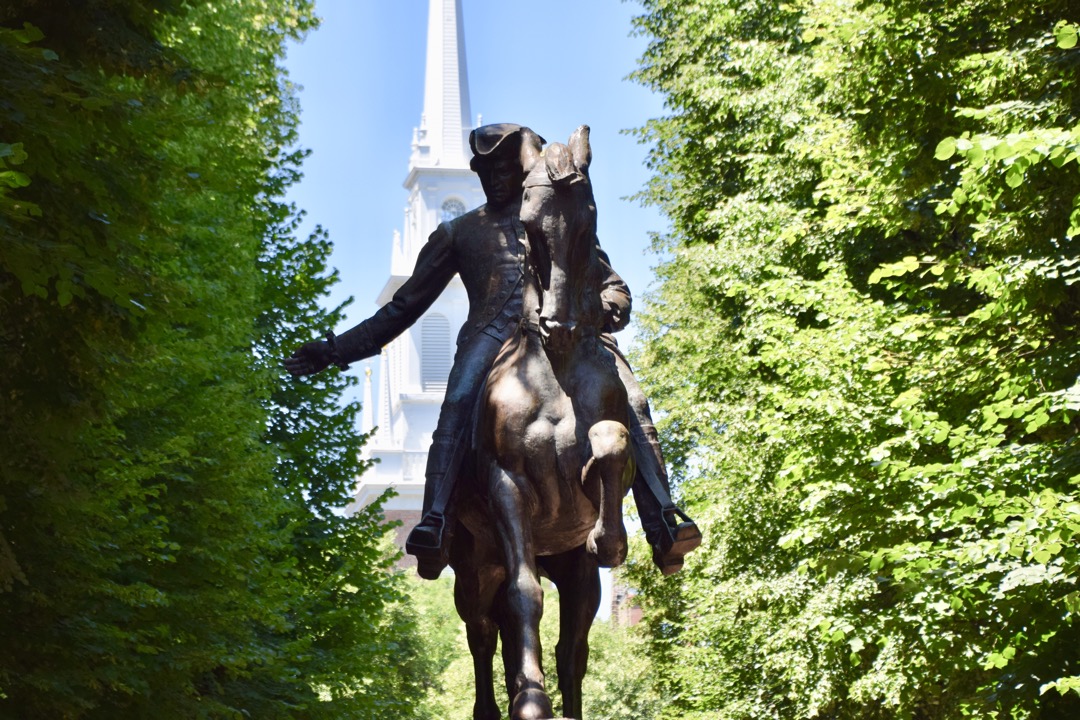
502,182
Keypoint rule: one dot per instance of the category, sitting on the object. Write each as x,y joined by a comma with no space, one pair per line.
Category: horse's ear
559,163
580,149
531,145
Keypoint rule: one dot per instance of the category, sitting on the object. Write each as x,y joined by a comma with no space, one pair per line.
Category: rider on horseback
486,247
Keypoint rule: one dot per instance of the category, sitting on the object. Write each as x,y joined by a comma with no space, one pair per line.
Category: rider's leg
428,541
669,530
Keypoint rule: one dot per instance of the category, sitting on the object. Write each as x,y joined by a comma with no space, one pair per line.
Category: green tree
619,684
864,347
170,538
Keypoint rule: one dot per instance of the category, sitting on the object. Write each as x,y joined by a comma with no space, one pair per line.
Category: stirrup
679,536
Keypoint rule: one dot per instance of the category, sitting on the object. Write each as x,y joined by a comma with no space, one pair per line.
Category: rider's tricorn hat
491,141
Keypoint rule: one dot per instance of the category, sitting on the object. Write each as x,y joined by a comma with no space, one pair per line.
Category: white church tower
415,366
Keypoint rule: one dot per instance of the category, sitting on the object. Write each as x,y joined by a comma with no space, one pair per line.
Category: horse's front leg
576,576
607,476
483,636
524,597
475,588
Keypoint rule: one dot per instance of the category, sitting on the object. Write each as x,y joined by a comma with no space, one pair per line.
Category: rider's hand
309,358
614,319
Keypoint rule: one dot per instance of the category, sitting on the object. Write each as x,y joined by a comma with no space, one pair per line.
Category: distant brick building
625,610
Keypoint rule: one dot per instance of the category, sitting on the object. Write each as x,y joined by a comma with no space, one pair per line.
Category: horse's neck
529,348
582,272
584,286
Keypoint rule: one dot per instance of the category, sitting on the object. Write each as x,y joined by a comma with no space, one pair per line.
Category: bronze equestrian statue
530,479
485,247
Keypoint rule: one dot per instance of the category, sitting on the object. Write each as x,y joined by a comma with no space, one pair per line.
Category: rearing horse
553,456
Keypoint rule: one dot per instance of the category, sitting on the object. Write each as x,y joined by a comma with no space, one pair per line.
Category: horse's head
559,214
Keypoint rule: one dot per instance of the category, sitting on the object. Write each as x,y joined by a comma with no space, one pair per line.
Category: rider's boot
429,541
669,530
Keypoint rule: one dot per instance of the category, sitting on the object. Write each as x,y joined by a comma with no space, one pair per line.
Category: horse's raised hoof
531,704
608,547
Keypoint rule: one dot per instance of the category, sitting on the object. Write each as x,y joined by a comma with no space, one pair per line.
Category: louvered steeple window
434,353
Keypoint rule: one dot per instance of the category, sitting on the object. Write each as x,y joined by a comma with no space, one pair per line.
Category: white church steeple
442,140
440,182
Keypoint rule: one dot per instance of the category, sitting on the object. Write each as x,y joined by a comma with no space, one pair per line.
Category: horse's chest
557,430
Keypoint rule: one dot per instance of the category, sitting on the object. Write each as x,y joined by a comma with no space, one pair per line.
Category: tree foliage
619,683
171,543
865,351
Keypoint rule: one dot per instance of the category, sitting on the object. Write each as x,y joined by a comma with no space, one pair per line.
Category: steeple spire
442,138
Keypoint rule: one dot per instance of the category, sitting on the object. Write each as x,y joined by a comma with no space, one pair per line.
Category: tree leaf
1065,34
945,149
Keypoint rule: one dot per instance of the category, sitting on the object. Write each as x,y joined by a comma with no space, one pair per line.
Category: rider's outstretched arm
435,267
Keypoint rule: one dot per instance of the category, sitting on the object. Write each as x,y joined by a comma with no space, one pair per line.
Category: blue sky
551,65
